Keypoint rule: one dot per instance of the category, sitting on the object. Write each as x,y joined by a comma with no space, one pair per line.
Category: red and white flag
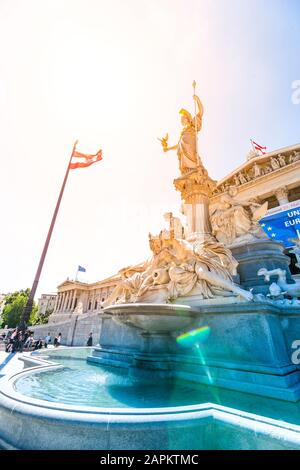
83,160
258,147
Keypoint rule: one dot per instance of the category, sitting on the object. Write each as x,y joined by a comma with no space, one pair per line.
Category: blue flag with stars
283,225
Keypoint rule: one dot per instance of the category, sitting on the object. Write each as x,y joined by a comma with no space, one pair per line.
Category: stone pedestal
260,254
196,187
245,348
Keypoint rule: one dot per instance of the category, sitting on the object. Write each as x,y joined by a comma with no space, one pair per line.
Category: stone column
282,195
74,298
60,301
70,301
65,301
196,187
56,303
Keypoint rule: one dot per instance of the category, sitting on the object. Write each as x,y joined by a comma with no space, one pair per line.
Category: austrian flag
82,160
259,147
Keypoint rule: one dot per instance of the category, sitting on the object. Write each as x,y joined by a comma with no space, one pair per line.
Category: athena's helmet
185,113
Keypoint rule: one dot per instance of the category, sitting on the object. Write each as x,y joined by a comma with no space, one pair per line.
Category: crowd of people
19,340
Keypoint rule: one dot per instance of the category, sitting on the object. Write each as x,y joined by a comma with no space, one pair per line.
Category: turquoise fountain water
60,401
83,384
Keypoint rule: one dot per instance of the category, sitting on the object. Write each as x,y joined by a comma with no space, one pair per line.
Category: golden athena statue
187,150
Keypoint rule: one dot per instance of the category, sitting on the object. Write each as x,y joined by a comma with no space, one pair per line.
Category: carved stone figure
296,250
175,227
268,169
200,270
79,309
294,157
137,279
236,180
256,170
232,219
291,290
274,163
242,178
180,267
281,160
187,145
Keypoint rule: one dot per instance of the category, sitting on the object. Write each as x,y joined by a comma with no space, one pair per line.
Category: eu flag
283,225
81,269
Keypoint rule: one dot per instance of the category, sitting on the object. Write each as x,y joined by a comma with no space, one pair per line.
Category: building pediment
71,283
261,166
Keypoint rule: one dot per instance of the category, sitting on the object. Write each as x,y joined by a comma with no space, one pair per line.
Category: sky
114,74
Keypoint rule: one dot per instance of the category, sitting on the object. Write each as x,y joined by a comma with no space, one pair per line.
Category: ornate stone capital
195,185
282,195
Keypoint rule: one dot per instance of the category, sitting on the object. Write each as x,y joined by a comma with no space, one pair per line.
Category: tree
13,308
41,318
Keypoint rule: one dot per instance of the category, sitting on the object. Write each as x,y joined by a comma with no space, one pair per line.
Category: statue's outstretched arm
199,105
164,143
174,147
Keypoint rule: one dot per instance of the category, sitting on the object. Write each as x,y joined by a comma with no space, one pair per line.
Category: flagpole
77,274
28,307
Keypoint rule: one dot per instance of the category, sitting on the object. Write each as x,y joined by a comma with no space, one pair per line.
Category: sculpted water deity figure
232,219
187,145
205,268
136,280
180,267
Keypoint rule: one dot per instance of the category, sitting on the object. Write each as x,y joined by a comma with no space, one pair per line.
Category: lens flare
194,336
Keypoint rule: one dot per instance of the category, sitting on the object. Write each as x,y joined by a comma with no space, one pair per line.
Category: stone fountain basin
153,318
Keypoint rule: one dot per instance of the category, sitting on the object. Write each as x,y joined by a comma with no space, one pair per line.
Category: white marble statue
234,221
296,249
79,309
291,290
179,267
175,227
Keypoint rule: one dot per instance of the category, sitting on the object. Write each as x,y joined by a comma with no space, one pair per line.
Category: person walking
90,340
47,340
58,339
